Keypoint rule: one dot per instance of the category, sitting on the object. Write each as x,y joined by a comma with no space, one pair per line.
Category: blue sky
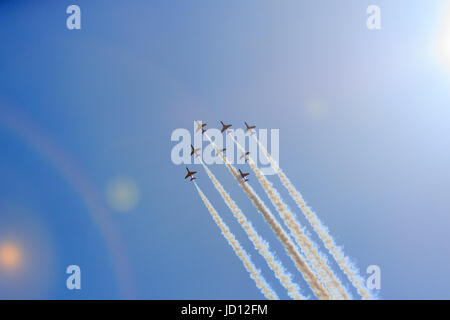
80,108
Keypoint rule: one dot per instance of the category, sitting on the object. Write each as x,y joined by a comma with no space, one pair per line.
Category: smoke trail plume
343,262
240,252
260,244
307,246
301,264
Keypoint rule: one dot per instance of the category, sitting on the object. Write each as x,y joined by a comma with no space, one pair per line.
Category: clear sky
86,118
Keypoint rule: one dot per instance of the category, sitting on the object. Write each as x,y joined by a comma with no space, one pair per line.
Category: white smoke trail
300,262
307,246
260,244
240,252
344,263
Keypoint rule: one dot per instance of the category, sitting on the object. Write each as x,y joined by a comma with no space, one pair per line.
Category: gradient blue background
102,102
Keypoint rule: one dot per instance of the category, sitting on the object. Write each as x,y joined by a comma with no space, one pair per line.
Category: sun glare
444,40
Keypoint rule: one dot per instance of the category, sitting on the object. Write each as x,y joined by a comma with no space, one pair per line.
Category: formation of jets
249,128
221,151
201,126
224,126
194,151
245,155
190,174
243,176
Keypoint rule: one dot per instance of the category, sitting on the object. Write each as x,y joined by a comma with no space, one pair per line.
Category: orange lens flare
10,257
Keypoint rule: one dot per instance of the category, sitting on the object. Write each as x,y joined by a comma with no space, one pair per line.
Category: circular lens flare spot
10,257
317,108
122,194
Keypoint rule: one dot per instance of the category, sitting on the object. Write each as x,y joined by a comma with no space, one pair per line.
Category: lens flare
122,194
22,127
316,108
10,257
